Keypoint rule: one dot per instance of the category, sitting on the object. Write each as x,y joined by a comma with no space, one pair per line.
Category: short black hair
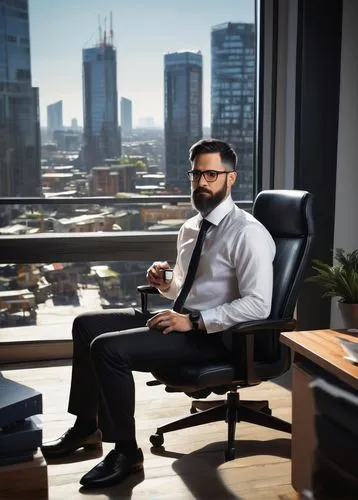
227,154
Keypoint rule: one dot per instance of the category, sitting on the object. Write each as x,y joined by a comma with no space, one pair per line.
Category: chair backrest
287,215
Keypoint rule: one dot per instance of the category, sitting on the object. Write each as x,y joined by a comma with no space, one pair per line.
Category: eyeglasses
209,175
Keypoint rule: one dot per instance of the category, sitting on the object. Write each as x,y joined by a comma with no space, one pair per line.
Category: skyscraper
54,117
233,96
183,113
20,171
126,116
100,103
74,123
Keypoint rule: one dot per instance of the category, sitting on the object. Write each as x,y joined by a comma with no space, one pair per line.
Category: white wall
346,217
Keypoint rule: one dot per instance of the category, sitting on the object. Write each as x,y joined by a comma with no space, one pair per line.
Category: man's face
206,195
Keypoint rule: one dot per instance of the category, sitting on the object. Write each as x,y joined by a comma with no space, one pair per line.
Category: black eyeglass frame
199,173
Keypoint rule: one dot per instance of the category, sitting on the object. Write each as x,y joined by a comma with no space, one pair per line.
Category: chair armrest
243,345
251,327
144,290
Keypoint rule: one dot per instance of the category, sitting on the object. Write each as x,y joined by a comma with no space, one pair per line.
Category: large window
95,106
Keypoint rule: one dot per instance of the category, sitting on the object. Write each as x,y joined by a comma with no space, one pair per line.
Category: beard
204,201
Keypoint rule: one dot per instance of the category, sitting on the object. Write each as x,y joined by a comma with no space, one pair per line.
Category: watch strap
195,318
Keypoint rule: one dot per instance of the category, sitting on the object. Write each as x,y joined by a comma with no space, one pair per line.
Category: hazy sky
144,30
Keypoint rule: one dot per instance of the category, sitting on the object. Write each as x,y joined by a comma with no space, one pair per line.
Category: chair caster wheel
157,440
230,454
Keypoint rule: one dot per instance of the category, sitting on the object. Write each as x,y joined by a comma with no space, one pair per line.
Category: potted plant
340,280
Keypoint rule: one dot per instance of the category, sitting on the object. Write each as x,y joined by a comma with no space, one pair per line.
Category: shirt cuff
210,321
169,294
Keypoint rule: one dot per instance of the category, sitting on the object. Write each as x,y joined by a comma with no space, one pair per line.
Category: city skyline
56,64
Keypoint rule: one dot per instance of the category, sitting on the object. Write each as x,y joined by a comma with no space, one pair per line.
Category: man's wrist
164,289
196,320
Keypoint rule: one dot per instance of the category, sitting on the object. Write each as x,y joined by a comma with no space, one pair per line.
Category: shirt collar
219,212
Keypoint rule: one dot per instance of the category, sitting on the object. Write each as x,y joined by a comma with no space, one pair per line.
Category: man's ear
232,178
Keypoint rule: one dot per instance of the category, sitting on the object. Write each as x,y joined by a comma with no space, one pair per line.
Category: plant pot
349,313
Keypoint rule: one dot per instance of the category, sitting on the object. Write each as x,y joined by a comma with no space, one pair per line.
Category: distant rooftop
230,23
183,51
55,194
113,166
57,175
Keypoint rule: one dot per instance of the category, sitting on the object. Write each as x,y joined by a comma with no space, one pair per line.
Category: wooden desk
317,353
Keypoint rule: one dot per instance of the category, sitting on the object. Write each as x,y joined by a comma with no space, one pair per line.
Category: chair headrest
286,213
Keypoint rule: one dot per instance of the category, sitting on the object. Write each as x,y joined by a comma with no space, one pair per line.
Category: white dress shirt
233,282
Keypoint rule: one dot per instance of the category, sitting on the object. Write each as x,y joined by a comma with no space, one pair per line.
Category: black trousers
108,345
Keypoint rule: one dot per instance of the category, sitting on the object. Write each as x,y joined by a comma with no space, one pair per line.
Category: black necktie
193,266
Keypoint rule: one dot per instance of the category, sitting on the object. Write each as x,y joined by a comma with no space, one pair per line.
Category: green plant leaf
341,278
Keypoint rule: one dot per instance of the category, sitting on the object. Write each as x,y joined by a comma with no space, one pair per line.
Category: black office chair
258,354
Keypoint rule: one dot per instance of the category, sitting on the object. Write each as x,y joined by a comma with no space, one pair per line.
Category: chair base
231,411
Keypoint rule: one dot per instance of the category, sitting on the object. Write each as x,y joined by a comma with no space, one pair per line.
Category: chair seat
194,378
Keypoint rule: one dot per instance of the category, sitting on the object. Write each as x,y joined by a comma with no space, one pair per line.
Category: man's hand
169,321
155,276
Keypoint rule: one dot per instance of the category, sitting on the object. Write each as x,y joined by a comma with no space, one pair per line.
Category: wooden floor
192,464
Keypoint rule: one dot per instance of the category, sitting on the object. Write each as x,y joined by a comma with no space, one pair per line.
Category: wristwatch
194,317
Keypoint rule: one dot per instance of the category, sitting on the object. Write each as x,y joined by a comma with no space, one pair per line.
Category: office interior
306,138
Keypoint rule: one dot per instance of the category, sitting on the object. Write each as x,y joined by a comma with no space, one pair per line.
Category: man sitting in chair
222,276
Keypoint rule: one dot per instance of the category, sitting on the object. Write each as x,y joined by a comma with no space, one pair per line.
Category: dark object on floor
20,434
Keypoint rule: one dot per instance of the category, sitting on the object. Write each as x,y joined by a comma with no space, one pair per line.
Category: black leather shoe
113,469
71,441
